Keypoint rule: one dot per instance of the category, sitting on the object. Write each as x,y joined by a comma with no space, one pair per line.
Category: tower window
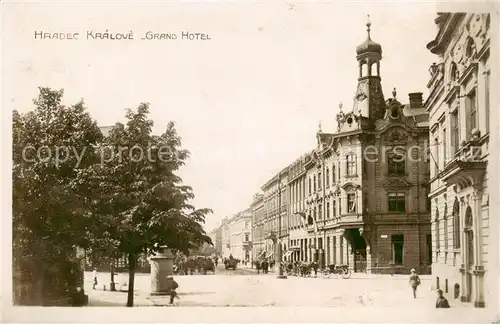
351,165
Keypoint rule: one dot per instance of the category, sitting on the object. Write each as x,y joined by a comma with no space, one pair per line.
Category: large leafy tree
50,144
139,204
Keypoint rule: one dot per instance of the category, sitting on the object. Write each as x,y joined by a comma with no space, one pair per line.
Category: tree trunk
132,260
112,268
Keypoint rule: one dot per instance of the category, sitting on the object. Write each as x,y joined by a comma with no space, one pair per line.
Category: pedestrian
414,282
94,276
442,302
172,285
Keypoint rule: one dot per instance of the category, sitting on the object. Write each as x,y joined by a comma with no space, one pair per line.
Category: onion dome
369,46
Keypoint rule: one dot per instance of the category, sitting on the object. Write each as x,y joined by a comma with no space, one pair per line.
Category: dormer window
394,113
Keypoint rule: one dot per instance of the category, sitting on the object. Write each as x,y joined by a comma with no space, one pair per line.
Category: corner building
366,187
459,108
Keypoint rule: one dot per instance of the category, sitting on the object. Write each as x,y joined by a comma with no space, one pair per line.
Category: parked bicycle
339,270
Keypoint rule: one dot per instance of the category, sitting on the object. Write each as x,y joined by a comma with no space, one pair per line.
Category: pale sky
246,103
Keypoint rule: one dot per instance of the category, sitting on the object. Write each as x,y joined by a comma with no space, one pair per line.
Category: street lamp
281,275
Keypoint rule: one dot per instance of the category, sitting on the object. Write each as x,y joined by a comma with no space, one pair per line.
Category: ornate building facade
276,209
240,233
296,188
360,197
258,221
459,108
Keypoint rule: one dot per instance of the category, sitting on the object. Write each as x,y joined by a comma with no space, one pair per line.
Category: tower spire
368,25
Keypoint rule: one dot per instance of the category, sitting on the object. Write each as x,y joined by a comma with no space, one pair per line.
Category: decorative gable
397,184
350,186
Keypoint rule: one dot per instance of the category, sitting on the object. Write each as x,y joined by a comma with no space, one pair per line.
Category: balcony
467,168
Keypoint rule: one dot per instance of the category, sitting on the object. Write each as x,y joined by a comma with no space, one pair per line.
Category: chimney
416,100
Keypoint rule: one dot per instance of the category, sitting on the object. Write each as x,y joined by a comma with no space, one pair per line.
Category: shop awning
269,255
262,254
294,248
287,254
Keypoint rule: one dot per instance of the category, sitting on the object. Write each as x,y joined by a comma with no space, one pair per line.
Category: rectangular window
396,202
470,104
455,132
333,174
351,165
487,99
314,183
397,248
327,210
328,260
445,147
334,249
396,164
320,243
436,156
247,237
445,232
351,202
334,208
310,185
319,181
341,247
338,171
320,211
327,178
436,232
340,206
429,248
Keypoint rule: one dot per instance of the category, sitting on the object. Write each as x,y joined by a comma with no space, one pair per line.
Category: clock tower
369,99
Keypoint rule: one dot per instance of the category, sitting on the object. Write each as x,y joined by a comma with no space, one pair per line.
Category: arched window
470,237
470,47
436,229
333,173
453,72
456,224
445,225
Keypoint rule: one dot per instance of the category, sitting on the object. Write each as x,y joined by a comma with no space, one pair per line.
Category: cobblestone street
245,288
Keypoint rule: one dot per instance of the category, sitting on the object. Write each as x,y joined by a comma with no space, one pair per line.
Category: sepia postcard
250,161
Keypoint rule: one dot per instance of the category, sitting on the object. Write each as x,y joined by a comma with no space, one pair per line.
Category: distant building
297,189
275,215
459,108
240,231
258,222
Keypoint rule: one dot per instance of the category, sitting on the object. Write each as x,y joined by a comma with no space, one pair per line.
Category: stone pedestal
161,266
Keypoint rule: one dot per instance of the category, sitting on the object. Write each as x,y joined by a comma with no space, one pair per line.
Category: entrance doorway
358,246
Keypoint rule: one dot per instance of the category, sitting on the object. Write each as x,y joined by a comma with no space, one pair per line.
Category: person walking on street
94,276
442,302
414,282
172,286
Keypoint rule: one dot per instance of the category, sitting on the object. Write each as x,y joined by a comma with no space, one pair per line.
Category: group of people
264,265
441,301
190,265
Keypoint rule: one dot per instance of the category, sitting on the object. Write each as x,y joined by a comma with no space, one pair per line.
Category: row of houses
398,185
